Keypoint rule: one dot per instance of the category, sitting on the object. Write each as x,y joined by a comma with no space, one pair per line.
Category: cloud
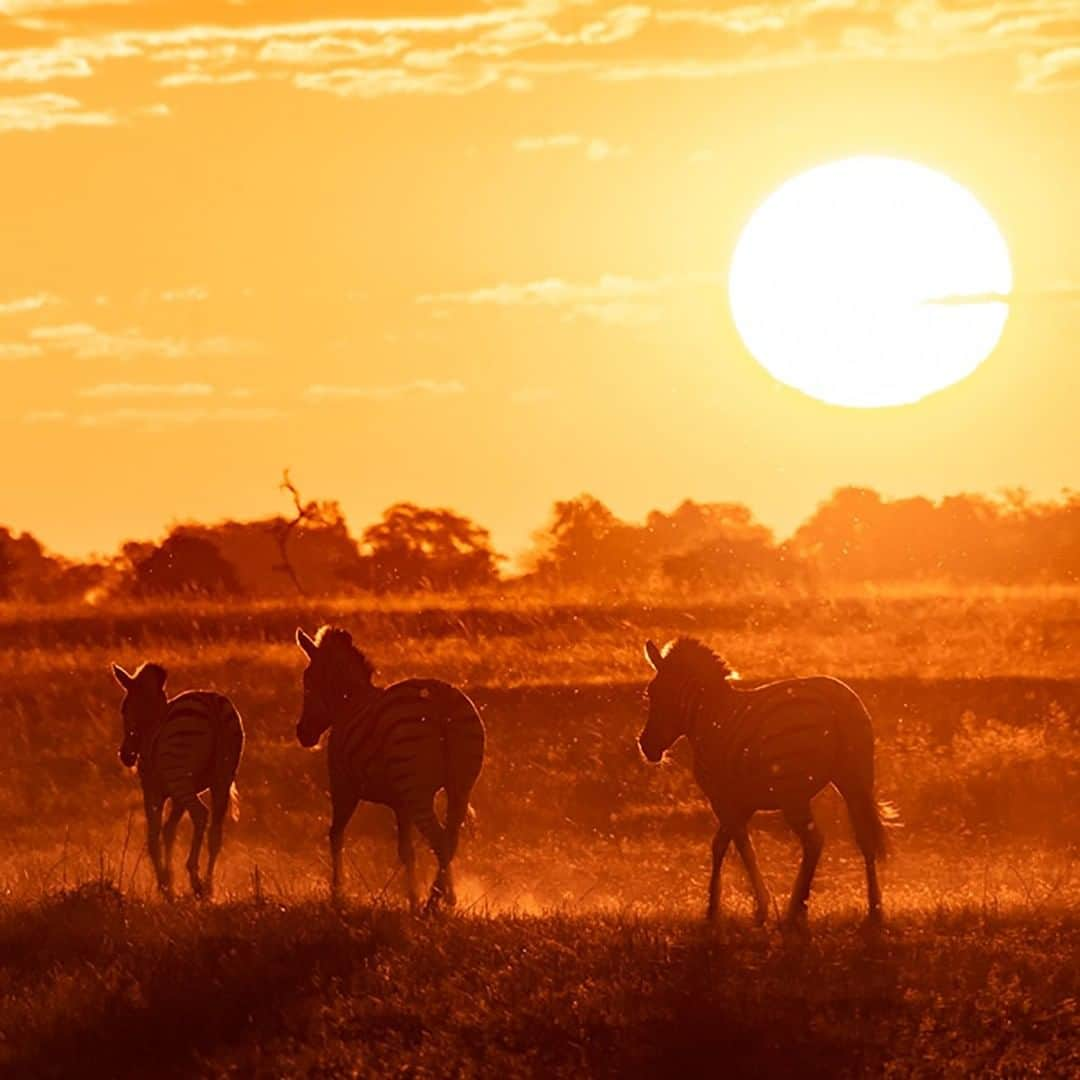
1062,292
190,295
428,387
164,419
1058,69
120,390
42,65
967,299
18,350
612,299
595,149
515,43
378,82
23,304
86,342
45,112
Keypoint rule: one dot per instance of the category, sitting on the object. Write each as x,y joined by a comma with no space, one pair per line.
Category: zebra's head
687,672
337,673
144,706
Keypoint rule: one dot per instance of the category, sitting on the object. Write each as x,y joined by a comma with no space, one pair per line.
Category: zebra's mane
340,642
696,658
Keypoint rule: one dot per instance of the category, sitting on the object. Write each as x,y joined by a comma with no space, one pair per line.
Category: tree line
855,536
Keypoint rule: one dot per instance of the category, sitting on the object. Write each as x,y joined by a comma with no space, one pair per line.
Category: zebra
182,746
770,748
397,746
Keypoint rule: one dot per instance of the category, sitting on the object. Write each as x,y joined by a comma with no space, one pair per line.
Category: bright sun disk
870,281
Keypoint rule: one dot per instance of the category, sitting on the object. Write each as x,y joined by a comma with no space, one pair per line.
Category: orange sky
474,254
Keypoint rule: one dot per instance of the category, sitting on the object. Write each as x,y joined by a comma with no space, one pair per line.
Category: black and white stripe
397,745
182,746
773,747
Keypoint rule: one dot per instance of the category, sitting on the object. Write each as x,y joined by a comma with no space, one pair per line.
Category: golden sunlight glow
870,281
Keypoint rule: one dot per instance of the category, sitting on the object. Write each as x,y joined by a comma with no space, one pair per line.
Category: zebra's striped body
182,746
397,746
769,748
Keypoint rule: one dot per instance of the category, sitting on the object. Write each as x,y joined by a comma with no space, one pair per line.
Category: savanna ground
578,946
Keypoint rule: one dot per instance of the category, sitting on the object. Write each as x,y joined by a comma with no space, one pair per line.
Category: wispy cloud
22,304
164,419
137,390
86,342
595,149
191,294
422,387
1057,69
612,299
1062,292
41,65
18,350
967,299
45,416
45,112
514,43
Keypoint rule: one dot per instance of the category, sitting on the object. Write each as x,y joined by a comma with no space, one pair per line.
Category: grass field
578,946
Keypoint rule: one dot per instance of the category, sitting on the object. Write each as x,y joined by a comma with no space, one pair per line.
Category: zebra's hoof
796,924
874,923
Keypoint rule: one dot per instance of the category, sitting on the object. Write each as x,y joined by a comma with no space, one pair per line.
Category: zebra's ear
653,655
122,677
306,643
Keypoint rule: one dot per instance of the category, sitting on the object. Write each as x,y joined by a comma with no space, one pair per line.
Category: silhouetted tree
716,544
417,548
306,516
183,562
586,544
28,572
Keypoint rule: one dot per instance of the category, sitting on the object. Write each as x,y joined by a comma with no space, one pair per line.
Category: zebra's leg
343,806
407,855
801,820
442,888
873,890
720,842
154,804
745,848
865,816
198,814
219,806
168,836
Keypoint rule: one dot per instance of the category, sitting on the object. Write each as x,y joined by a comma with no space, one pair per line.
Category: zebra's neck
706,708
356,697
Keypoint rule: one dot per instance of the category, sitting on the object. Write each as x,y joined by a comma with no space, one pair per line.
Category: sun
870,281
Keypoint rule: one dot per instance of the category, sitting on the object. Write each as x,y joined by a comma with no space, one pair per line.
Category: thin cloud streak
164,419
514,44
430,387
136,390
22,304
612,299
596,149
18,350
192,294
86,342
46,112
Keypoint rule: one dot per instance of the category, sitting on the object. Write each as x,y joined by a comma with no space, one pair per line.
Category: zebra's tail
872,819
234,802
